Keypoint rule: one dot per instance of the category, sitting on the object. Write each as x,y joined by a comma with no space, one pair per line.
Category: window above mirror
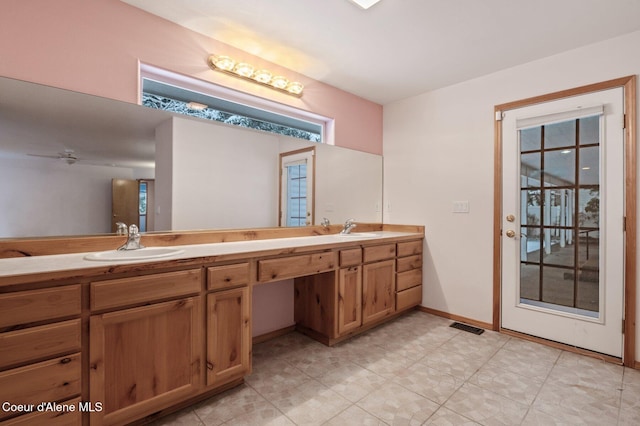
162,89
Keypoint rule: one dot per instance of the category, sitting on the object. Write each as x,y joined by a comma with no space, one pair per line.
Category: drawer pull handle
65,360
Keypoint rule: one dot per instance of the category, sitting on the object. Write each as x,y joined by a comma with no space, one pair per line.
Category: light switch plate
461,206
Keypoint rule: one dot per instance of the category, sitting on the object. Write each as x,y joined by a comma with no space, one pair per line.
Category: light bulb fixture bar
261,76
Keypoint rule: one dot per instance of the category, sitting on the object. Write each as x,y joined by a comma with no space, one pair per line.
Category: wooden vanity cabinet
409,275
138,341
145,358
40,342
349,299
378,290
228,324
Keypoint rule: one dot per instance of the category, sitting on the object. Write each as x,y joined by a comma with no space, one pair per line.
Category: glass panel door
559,199
562,247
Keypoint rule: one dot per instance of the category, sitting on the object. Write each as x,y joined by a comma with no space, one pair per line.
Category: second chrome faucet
133,236
348,226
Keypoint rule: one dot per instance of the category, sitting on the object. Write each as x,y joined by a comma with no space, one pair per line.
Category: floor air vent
468,328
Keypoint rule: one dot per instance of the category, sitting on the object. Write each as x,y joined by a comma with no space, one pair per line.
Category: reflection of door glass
296,194
142,206
296,189
560,209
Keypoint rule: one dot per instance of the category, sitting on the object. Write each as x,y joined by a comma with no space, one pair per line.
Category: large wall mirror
66,158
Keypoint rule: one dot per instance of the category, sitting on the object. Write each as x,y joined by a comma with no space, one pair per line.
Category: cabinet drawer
295,266
409,248
408,298
408,263
39,342
375,253
351,257
219,277
50,418
38,305
52,380
408,279
129,291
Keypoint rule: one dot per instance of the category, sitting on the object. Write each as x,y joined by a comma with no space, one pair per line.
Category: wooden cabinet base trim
273,334
332,341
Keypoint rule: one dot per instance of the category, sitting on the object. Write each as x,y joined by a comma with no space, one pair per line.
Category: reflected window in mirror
161,89
142,206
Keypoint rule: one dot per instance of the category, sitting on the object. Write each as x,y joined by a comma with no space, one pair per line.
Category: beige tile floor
417,370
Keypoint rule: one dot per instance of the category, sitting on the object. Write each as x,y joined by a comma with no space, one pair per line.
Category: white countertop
76,261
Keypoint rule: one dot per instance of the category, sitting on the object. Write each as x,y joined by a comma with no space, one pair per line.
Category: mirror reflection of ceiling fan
68,156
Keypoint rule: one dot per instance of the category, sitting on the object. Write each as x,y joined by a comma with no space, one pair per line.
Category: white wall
348,182
42,197
164,175
349,185
221,176
438,148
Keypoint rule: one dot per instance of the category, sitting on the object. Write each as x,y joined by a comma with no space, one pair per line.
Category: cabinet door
228,335
378,290
143,359
349,299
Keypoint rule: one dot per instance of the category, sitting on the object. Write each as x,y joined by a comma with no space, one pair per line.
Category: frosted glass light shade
261,76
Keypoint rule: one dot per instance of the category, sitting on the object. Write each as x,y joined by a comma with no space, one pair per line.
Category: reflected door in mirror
132,203
297,173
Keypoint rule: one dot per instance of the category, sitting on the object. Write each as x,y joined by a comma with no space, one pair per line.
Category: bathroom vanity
113,342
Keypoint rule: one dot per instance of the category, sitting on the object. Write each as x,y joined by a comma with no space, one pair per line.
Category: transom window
184,95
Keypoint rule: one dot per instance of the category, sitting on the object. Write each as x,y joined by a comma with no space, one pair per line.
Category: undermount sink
358,235
139,254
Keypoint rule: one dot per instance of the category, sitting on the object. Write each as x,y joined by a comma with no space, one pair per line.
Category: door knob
511,233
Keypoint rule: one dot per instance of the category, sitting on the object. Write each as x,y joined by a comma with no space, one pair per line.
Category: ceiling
42,120
400,48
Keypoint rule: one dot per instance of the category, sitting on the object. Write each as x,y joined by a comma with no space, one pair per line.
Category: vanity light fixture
261,76
196,106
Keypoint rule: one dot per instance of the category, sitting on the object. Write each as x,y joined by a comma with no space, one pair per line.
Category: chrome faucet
121,228
348,226
325,222
133,239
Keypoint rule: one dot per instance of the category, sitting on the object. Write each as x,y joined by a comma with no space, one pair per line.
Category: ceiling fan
68,156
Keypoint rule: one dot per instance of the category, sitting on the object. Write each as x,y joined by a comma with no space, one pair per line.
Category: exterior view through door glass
563,180
296,187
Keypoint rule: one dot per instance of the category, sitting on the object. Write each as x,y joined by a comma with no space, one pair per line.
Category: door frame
628,84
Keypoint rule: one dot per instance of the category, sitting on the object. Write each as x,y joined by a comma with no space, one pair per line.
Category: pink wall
94,47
